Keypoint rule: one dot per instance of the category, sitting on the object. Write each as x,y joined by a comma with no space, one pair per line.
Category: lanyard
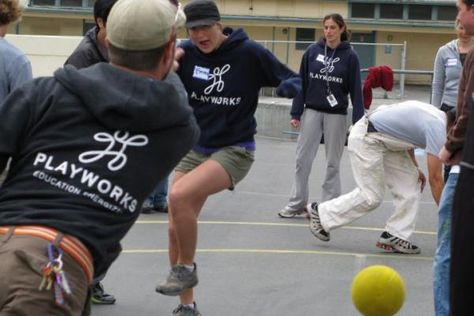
326,64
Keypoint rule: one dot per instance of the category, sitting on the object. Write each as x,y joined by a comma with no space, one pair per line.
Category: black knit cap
201,13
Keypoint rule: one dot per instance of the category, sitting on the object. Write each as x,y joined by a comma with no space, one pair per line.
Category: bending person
381,150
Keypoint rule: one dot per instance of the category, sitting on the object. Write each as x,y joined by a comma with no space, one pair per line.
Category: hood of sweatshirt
342,46
119,99
452,46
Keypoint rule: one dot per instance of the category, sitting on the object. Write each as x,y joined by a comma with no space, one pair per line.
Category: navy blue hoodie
223,86
343,77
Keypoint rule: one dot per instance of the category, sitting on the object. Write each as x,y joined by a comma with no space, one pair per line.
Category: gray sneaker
287,213
183,310
315,223
179,279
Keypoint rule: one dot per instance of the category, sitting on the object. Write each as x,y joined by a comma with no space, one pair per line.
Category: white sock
190,268
189,305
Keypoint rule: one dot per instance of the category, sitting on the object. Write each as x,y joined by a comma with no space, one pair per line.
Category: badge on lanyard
331,99
329,96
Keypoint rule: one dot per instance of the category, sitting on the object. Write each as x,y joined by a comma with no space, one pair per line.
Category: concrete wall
46,53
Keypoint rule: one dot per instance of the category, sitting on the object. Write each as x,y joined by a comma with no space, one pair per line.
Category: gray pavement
251,262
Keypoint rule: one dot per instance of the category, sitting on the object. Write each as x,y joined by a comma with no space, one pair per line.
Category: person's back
116,139
414,122
15,68
79,142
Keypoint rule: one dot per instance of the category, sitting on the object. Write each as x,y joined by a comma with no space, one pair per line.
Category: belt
72,246
371,127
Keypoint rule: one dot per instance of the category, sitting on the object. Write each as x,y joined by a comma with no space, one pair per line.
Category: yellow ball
378,290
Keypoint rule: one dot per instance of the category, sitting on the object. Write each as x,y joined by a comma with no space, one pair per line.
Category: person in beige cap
223,88
87,146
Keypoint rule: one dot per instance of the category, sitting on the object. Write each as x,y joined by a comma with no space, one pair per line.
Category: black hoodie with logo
87,147
223,86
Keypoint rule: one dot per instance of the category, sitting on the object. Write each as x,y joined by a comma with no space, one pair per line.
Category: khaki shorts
236,161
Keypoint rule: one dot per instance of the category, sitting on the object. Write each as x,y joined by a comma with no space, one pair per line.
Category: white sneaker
287,213
391,243
315,223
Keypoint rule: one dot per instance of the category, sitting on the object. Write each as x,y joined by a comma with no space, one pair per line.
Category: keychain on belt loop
54,276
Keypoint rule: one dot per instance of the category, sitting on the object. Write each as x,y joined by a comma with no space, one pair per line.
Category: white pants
377,160
313,125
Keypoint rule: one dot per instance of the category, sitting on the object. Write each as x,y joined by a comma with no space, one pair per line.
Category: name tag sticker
201,73
320,58
452,62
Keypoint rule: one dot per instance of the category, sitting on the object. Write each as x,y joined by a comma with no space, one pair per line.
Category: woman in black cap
223,72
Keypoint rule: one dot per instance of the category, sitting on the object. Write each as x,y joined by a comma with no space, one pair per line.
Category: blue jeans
442,256
159,195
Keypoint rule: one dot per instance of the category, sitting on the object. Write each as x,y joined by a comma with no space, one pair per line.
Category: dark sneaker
315,223
183,310
149,209
99,296
287,213
179,279
391,243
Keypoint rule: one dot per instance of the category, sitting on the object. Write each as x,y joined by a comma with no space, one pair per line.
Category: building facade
404,34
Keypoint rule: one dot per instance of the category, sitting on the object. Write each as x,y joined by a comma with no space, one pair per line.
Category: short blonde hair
10,11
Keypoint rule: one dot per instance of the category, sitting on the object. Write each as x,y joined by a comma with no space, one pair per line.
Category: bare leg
188,194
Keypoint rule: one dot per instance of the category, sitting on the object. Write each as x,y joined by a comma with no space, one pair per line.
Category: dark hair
136,60
468,2
336,17
102,9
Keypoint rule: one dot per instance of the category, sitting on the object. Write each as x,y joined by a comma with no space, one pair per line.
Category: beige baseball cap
143,24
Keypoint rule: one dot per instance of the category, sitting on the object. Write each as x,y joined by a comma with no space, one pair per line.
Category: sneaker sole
102,302
318,235
293,214
391,249
174,293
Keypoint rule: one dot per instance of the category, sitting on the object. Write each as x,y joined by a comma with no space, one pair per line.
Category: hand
448,158
421,180
179,52
295,123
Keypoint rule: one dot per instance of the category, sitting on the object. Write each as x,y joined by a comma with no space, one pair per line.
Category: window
419,12
362,10
71,3
43,2
63,3
304,35
447,13
391,11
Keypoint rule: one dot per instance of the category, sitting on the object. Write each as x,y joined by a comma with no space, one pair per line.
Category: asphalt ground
251,262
